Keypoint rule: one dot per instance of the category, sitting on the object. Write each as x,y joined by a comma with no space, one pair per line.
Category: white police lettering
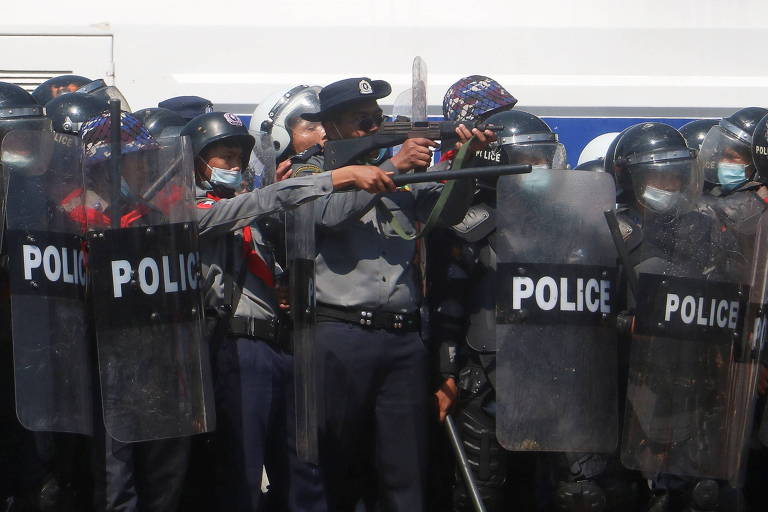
53,263
761,150
365,87
700,311
489,155
167,274
562,294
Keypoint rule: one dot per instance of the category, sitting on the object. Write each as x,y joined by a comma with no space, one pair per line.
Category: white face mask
660,200
225,178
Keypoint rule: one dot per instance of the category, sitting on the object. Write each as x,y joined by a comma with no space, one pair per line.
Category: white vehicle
561,59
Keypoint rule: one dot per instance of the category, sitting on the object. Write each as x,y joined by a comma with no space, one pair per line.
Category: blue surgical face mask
660,200
731,175
225,178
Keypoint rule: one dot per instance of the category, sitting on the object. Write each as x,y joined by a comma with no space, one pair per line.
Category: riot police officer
252,368
675,419
161,122
69,111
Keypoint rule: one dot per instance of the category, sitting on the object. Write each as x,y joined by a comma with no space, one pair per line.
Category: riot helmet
161,122
760,150
58,85
475,97
725,158
525,139
279,115
19,110
206,129
69,111
695,131
596,148
101,90
652,164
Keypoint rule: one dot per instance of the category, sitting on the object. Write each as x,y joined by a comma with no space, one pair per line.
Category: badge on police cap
233,119
365,87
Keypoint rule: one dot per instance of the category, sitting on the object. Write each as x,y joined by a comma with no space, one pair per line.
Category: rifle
339,153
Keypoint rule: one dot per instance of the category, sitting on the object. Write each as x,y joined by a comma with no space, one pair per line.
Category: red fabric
448,155
256,264
90,217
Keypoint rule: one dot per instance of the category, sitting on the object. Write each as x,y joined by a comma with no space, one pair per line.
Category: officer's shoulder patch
308,153
305,169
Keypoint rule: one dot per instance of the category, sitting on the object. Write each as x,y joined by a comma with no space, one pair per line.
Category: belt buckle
366,318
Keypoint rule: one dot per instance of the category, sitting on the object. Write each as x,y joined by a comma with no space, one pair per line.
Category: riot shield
419,90
556,366
695,345
51,339
144,263
300,253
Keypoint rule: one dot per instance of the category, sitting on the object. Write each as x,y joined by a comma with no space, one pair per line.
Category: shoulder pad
631,232
308,153
477,224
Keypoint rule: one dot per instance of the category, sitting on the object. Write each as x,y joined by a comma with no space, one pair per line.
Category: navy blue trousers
373,446
252,382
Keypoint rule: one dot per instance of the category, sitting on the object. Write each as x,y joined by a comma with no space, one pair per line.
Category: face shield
725,157
100,90
285,116
261,166
541,150
665,182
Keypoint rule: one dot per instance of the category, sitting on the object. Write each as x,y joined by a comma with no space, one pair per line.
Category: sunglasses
368,122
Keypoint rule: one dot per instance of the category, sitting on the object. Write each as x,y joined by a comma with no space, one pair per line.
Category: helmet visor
550,155
261,166
671,186
724,160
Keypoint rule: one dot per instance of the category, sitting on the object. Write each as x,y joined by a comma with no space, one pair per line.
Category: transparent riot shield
556,380
695,345
51,339
262,162
300,253
419,90
145,267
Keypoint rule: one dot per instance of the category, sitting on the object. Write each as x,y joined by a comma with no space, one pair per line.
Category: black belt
370,318
253,328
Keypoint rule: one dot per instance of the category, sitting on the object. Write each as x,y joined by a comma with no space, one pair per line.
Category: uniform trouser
145,477
252,384
374,387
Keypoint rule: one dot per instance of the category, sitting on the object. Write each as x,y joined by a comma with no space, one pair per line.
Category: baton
458,450
115,121
469,172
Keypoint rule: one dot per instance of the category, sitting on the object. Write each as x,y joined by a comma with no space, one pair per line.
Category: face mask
731,175
660,200
225,178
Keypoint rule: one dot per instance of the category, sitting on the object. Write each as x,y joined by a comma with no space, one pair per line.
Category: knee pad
478,435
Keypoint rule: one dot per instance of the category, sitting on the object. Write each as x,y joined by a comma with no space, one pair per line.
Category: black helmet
725,157
525,139
695,131
69,111
597,165
760,150
57,85
101,90
208,128
652,164
161,122
19,110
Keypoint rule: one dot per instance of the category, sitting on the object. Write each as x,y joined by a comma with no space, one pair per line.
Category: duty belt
253,328
370,318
